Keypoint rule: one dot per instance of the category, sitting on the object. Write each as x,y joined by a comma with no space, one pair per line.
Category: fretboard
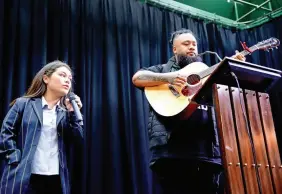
208,71
212,68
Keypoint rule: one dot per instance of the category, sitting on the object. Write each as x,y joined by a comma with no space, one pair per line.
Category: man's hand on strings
239,56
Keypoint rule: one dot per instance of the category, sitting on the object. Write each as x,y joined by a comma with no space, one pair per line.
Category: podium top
250,76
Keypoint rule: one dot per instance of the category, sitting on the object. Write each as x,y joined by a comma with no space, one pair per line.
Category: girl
36,132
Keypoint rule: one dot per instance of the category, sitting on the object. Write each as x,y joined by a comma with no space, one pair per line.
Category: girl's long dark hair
38,86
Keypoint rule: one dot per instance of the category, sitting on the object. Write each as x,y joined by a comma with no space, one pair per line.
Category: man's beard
184,60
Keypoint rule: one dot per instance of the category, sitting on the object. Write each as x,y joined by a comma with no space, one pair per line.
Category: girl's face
59,83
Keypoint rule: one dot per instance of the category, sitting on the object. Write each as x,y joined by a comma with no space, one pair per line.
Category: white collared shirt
46,157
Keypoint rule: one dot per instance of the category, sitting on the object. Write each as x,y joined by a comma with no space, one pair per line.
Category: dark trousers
42,184
180,177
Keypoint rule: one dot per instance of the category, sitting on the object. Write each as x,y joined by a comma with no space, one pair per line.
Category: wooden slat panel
271,142
259,143
227,137
249,172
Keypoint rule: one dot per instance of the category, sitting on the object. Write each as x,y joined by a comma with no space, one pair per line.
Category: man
185,153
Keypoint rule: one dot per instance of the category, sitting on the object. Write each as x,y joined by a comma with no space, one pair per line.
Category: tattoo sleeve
158,77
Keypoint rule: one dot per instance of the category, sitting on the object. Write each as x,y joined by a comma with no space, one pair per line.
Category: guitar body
168,100
166,103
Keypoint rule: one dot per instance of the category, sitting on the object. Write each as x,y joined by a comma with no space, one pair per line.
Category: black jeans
184,177
42,184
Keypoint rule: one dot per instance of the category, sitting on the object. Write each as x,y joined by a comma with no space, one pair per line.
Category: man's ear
45,79
174,49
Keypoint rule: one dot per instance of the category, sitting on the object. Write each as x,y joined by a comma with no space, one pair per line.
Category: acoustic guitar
170,100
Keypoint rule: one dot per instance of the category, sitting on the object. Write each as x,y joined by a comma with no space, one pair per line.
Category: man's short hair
179,32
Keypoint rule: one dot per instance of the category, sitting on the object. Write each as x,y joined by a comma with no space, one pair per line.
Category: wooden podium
249,148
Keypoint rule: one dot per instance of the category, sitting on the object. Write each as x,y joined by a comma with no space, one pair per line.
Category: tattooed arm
148,78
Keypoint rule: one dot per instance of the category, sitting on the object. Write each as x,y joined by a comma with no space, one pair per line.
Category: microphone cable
249,134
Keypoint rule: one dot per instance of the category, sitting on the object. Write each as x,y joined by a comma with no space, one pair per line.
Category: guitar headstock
268,44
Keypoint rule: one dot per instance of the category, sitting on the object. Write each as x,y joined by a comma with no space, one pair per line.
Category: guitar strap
166,68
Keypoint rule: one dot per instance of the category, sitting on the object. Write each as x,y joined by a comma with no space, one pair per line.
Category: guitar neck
208,71
212,68
252,49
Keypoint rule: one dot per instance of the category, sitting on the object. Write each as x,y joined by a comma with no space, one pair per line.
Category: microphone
75,108
210,52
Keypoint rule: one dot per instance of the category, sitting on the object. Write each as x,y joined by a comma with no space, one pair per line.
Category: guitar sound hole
193,79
